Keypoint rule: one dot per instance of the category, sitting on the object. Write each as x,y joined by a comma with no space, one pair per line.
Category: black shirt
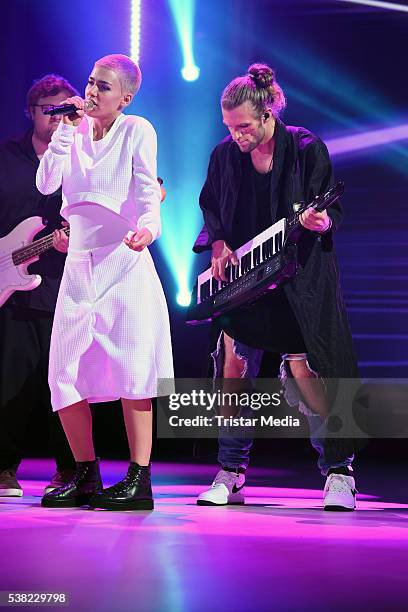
269,323
253,212
20,199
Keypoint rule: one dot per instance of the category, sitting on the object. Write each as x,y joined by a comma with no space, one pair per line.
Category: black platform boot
134,492
85,482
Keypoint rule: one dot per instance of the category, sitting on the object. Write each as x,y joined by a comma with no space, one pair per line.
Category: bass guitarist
26,317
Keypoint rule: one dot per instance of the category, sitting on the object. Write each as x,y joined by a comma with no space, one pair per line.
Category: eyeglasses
45,107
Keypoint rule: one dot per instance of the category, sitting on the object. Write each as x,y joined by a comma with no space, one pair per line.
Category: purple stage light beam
365,140
392,6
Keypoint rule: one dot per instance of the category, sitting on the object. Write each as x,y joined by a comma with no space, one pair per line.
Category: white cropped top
118,172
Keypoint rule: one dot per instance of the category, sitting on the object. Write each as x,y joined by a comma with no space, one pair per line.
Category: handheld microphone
69,109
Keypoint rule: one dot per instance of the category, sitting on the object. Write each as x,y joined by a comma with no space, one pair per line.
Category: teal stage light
183,15
181,222
185,144
190,73
183,297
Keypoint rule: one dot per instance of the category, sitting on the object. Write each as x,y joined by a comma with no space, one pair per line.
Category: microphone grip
68,109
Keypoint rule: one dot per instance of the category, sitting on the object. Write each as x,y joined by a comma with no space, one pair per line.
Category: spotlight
183,12
392,6
365,140
135,16
183,297
190,73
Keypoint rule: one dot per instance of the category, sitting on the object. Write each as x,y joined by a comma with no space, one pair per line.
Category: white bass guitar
17,252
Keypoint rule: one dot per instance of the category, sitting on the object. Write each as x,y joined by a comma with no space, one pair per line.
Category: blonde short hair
128,71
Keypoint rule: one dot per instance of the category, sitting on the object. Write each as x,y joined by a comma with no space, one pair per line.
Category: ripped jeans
234,452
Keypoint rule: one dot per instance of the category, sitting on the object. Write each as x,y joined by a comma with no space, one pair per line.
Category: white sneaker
227,488
339,493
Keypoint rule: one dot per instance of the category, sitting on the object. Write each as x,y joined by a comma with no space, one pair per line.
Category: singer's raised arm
50,170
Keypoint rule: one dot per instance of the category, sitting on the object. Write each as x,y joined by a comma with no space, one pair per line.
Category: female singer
111,334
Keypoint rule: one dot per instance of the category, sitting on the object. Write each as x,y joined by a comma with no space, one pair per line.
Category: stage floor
278,552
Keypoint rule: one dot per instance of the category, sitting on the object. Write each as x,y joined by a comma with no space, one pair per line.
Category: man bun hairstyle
259,87
128,71
262,75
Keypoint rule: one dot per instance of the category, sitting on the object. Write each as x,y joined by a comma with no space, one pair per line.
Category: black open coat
302,169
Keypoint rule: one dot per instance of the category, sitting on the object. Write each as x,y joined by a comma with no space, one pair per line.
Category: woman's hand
137,241
60,240
74,118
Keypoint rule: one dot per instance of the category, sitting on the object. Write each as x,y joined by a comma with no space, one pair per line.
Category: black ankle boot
134,492
85,482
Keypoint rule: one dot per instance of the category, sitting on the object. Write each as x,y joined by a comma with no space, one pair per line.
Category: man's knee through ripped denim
290,389
251,357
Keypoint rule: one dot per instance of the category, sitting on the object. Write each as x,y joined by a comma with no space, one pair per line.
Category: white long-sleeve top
118,172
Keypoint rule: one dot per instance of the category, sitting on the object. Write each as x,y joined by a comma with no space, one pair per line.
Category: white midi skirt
111,332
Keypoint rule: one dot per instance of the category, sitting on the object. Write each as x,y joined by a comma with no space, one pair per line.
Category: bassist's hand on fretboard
60,240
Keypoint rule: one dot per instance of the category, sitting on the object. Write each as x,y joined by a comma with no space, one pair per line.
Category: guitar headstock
321,202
